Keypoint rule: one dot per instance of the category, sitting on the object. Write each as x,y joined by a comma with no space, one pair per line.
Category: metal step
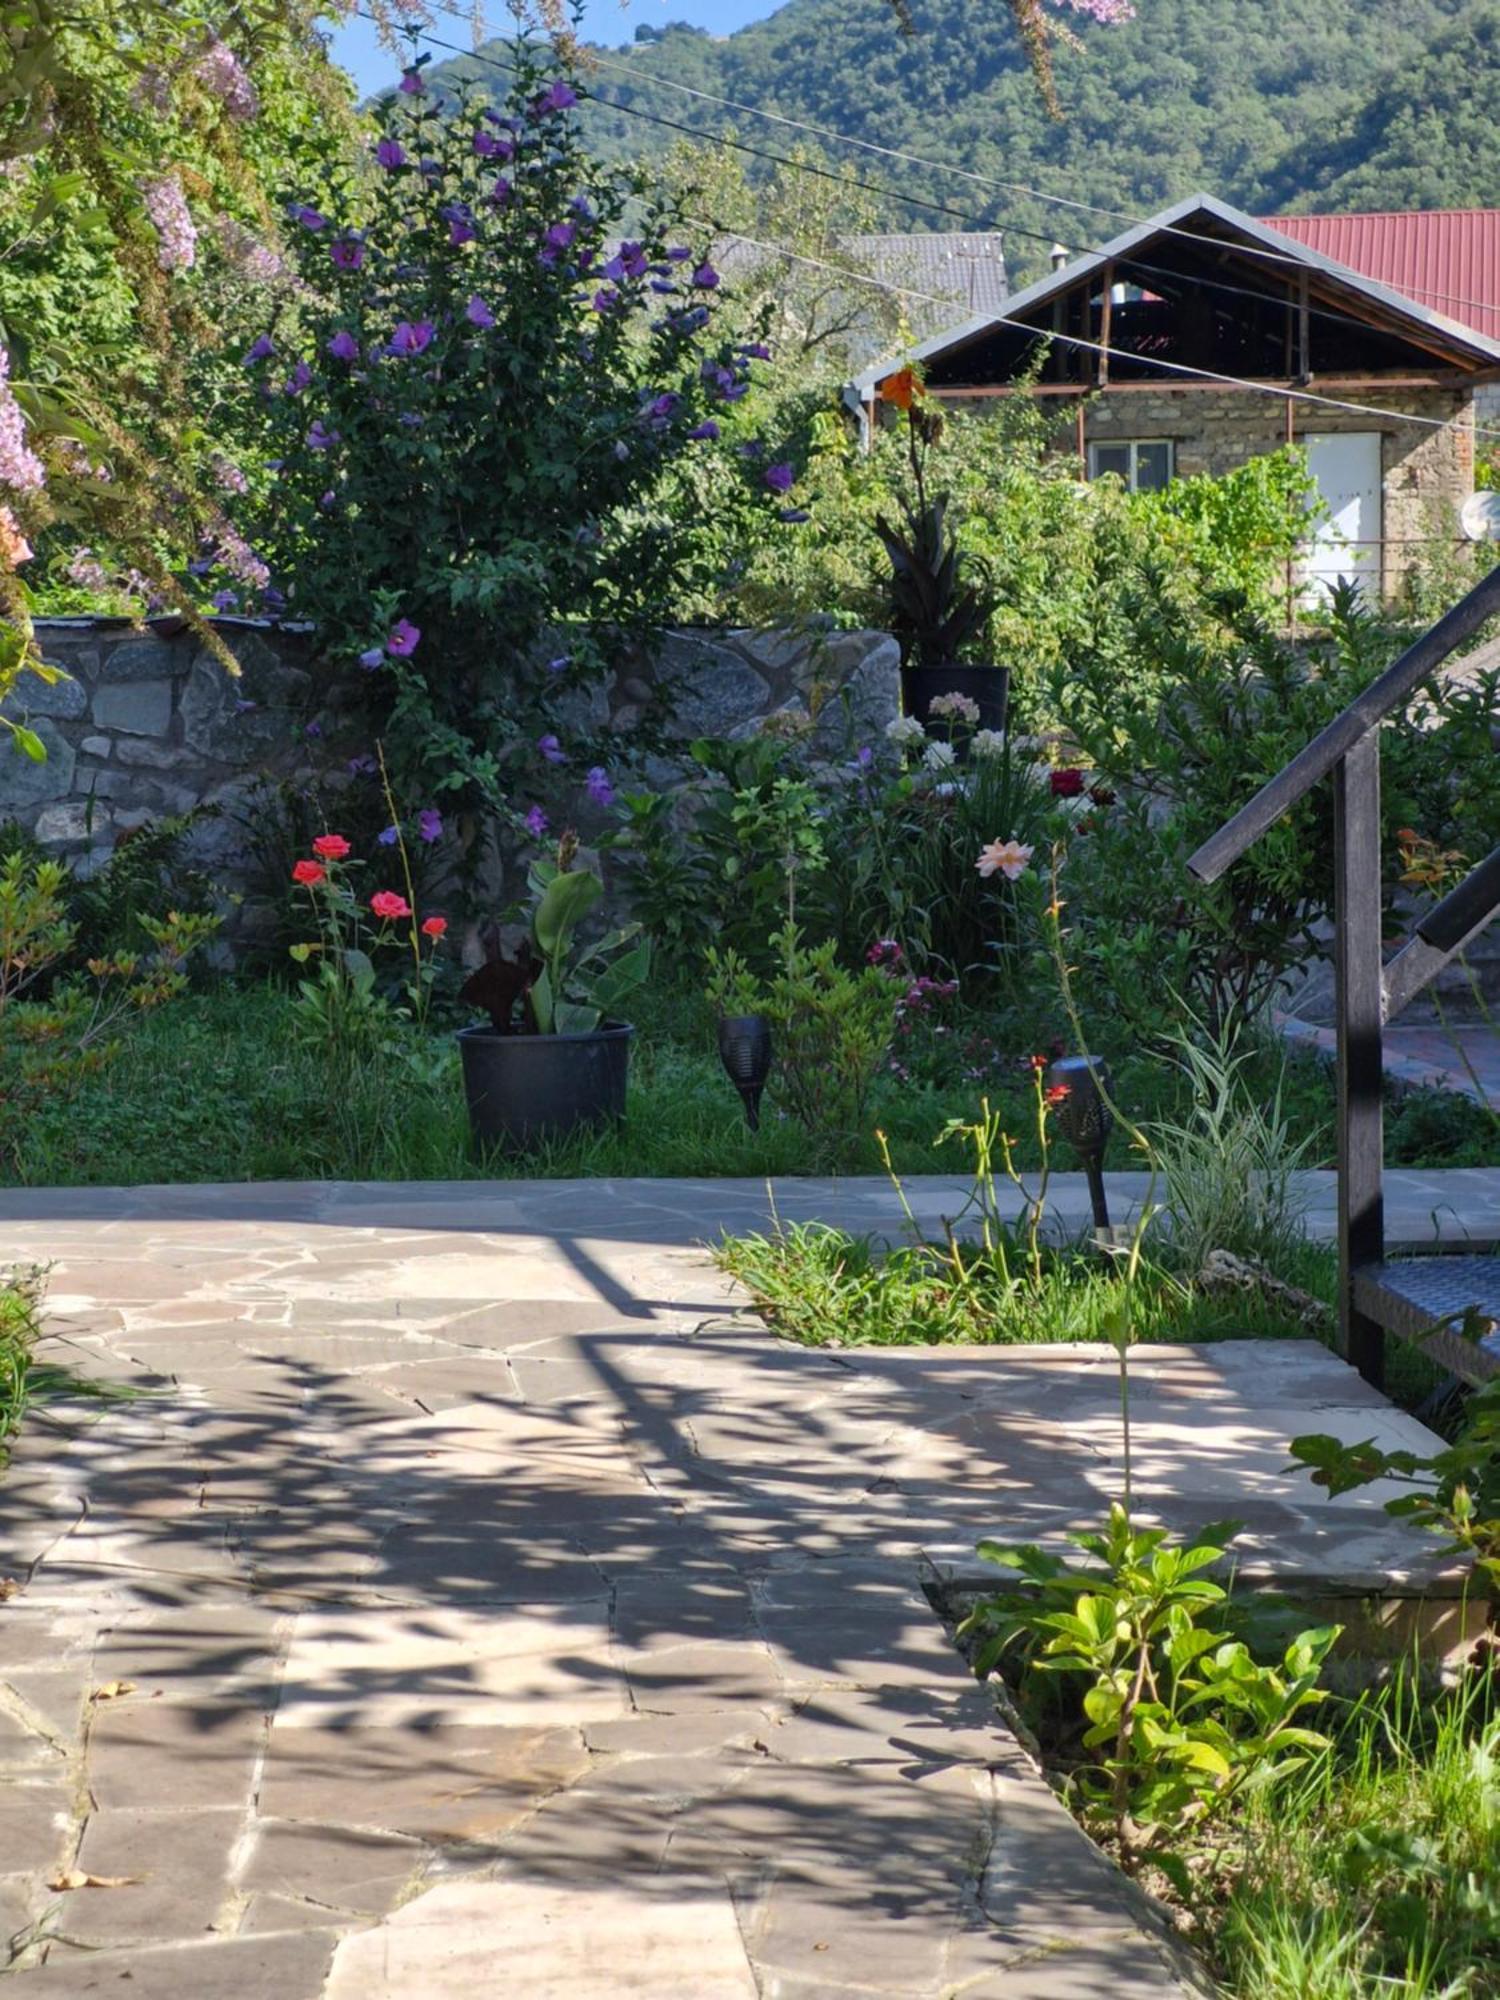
1426,1300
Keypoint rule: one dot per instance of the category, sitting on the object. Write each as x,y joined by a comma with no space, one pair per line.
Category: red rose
387,904
332,846
434,927
1067,784
308,872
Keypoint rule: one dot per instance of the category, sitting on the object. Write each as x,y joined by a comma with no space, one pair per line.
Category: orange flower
434,927
901,390
332,846
309,873
1058,1092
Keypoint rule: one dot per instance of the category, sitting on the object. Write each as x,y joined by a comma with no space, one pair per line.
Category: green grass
213,1088
19,1332
826,1288
1377,1870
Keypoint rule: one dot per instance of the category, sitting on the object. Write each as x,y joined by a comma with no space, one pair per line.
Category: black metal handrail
1381,698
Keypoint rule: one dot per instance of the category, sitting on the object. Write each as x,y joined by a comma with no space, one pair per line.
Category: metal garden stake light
1083,1118
745,1051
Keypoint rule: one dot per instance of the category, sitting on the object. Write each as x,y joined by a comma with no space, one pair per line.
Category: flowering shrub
473,407
340,1007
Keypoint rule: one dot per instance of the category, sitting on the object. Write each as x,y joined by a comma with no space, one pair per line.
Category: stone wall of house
1427,473
149,722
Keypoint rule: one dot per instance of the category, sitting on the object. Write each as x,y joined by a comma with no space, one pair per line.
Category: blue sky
608,22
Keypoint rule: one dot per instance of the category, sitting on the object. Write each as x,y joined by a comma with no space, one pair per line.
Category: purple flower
348,252
223,600
308,217
629,261
557,97
678,254
780,478
460,220
663,285
429,824
343,346
389,837
390,154
552,750
477,313
606,299
793,514
259,350
705,277
535,822
401,641
563,660
500,193
659,411
411,336
411,84
363,766
319,438
757,351
298,380
600,790
313,729
372,659
327,501
560,235
488,147
707,429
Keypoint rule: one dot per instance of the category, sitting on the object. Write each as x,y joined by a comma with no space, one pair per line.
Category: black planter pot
987,687
522,1088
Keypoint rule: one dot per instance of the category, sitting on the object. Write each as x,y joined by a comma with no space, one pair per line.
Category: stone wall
1427,474
148,722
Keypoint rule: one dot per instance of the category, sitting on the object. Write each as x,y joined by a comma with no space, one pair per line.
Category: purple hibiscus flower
552,750
429,824
757,351
259,350
411,336
298,380
401,641
373,658
659,410
411,84
600,790
460,220
327,501
780,478
223,600
348,252
606,299
559,96
488,147
535,822
705,277
678,254
563,660
390,154
500,193
309,218
363,766
389,837
477,313
343,346
707,429
319,437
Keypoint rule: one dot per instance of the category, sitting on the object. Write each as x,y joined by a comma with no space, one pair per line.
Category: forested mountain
1273,104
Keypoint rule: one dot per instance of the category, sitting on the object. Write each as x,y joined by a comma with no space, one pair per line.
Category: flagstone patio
478,1599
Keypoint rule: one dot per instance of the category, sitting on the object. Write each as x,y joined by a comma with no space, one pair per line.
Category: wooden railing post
1357,967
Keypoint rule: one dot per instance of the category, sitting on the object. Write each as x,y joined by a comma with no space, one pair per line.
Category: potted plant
938,607
554,1056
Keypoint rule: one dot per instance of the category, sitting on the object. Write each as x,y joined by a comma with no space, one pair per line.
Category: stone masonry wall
1427,474
148,722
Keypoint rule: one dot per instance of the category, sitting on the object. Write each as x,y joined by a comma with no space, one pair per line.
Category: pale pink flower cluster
1108,11
227,476
20,468
222,75
86,570
176,238
245,252
241,561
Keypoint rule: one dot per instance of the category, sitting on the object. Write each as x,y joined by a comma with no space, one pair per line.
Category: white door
1345,467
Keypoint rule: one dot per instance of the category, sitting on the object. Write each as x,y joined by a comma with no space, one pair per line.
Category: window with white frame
1145,465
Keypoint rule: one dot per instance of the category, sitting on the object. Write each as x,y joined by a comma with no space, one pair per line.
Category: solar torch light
745,1051
1082,1118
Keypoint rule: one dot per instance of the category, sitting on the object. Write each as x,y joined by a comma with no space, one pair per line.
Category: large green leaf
565,903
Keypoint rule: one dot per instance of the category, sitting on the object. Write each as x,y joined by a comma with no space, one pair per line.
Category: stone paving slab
478,1598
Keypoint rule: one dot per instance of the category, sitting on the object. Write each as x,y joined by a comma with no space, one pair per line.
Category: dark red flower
1067,783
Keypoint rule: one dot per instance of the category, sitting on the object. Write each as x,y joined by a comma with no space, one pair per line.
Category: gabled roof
1444,258
1177,221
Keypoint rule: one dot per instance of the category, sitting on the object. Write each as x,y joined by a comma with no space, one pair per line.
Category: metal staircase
1439,1302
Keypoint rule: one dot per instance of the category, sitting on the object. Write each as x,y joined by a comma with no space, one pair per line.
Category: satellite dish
1480,517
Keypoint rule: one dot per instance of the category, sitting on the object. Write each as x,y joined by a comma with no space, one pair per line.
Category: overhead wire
1074,341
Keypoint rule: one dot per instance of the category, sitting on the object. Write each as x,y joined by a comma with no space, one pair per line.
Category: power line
1075,341
825,132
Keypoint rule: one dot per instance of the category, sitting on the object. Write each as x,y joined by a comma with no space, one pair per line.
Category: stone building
1203,337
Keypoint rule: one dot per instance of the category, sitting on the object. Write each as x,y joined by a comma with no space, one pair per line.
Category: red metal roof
1447,259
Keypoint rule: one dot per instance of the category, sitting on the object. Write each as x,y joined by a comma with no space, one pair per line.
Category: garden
490,887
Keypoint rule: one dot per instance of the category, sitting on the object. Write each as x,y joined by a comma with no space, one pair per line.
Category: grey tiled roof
961,267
